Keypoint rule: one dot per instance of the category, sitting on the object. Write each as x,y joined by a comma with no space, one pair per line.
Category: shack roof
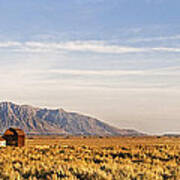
2,139
14,131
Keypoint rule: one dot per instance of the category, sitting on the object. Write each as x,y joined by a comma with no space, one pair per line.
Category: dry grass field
126,158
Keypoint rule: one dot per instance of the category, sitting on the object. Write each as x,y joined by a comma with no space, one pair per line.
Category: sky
116,60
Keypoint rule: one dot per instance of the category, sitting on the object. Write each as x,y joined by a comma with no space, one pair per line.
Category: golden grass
125,158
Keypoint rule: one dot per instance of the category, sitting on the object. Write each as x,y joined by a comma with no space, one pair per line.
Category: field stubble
126,158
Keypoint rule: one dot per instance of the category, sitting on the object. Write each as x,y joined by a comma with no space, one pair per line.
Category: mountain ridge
34,120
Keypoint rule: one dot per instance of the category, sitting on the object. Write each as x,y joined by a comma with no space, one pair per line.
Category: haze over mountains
44,121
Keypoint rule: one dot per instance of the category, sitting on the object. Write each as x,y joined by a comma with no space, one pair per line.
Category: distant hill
44,121
171,135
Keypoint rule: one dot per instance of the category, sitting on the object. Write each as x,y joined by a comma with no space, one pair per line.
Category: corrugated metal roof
19,131
14,131
8,132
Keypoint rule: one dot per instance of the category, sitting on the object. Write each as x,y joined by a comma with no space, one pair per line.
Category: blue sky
117,60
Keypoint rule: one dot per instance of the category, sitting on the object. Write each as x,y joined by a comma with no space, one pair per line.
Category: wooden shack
14,137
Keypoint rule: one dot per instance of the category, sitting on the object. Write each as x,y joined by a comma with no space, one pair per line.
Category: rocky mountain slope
44,121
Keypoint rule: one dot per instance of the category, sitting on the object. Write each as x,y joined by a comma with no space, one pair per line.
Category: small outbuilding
14,137
2,142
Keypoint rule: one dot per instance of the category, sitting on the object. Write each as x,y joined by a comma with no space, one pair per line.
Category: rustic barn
14,137
2,142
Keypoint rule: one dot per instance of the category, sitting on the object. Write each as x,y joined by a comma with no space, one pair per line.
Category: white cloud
97,72
160,38
91,79
83,46
166,49
80,46
10,44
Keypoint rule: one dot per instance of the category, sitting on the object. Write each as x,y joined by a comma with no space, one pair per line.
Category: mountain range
55,121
